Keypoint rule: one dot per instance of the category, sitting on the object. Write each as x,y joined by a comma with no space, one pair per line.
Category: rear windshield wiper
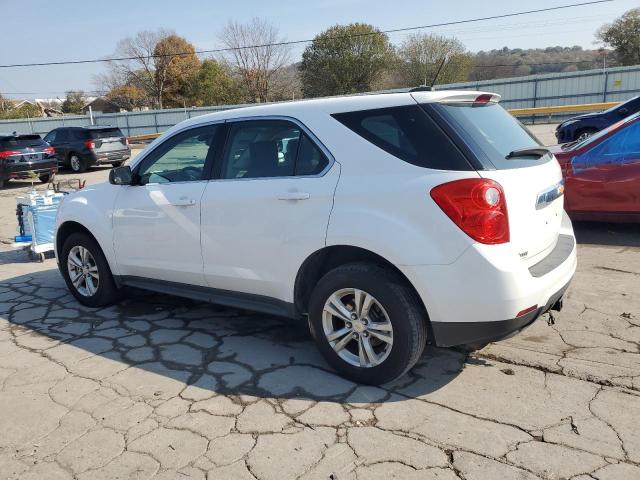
528,152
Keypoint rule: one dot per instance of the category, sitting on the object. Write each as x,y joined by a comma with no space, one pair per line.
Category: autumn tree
127,96
420,57
623,35
159,63
345,59
257,55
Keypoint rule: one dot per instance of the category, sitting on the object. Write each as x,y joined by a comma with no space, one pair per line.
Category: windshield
617,106
492,133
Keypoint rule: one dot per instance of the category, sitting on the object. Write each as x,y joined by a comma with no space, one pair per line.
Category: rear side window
21,141
408,133
491,133
105,133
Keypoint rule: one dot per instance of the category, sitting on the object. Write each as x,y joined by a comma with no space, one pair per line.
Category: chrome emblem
548,196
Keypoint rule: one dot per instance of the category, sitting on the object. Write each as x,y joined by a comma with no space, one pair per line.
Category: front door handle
184,202
294,196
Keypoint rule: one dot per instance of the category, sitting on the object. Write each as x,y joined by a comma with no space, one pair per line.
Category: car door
596,181
627,177
156,223
268,208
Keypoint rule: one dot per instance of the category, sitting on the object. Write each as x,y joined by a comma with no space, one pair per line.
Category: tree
255,55
128,97
421,55
623,35
75,101
161,64
214,86
345,59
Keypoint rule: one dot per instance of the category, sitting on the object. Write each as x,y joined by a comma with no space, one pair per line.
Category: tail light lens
8,153
90,144
48,150
124,140
477,206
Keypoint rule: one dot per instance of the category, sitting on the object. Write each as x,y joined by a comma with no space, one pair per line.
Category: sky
45,30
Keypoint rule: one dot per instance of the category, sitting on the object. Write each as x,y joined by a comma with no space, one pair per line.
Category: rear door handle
184,202
294,196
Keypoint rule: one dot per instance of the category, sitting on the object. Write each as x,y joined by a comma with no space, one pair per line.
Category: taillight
90,144
124,140
477,206
48,150
9,153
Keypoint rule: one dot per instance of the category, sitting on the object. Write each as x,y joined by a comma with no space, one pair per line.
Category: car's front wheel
86,271
367,323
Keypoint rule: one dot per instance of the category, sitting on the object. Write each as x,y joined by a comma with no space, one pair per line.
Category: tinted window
310,159
259,149
407,133
490,132
21,141
50,137
97,134
620,148
62,135
180,159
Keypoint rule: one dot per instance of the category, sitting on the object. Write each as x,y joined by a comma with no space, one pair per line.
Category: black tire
117,164
585,133
78,166
404,310
2,181
106,292
45,178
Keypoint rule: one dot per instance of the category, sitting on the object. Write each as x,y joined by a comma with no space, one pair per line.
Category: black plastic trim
247,301
562,250
449,334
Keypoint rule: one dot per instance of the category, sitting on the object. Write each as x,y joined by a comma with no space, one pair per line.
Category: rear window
21,141
491,133
97,134
407,133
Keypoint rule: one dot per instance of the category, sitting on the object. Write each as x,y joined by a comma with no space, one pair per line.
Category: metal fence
589,86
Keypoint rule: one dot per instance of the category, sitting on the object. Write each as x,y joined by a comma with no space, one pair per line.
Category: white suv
387,220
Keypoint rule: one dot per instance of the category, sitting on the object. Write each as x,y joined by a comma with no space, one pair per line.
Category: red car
602,174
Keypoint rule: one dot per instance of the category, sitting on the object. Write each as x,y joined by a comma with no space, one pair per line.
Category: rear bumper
448,334
22,170
110,157
479,297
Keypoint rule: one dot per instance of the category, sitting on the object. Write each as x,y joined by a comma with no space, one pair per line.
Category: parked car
583,126
23,155
385,220
78,148
602,174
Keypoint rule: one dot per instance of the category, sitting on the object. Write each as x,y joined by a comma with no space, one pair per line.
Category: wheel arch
70,227
327,258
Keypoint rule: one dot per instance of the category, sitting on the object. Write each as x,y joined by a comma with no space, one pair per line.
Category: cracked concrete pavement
161,387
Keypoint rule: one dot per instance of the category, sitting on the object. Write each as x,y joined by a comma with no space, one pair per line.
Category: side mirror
623,112
121,176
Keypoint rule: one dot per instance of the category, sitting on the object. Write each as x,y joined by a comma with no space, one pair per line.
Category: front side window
270,148
180,159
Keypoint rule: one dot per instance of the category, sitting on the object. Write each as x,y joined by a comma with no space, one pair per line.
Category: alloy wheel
75,163
83,271
357,327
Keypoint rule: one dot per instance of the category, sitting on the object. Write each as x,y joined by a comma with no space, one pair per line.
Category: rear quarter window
408,133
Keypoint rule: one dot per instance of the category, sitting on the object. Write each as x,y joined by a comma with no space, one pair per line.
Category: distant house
101,105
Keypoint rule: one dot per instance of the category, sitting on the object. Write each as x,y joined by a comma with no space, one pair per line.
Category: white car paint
239,235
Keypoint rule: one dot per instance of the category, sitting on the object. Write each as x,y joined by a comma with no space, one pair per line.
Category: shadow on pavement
225,350
613,234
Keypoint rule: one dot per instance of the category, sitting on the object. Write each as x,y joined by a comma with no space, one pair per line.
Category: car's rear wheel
367,323
76,163
86,271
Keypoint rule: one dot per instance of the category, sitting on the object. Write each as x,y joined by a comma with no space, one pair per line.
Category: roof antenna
429,88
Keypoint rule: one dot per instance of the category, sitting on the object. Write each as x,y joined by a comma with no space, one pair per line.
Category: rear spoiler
473,98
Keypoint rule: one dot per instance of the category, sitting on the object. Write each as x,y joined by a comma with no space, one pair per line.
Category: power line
294,42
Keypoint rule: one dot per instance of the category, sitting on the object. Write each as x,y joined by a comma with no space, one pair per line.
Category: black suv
80,147
24,155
